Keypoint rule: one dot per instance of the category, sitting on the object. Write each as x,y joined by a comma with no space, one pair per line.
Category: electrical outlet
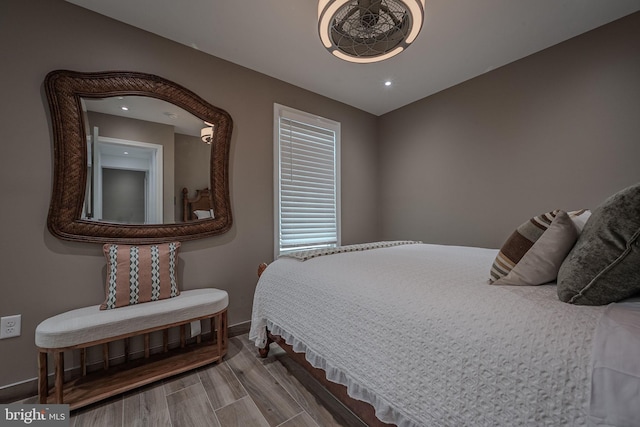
10,326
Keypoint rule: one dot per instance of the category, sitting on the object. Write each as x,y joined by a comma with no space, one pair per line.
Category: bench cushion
91,324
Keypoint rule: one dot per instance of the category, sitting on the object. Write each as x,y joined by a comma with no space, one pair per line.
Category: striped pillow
137,274
532,255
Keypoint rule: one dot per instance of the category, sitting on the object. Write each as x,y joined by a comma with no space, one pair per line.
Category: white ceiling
147,109
461,39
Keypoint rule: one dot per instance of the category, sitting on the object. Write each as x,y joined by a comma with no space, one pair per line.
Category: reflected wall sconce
206,133
365,31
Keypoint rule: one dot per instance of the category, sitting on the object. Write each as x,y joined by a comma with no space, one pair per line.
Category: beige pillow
579,218
137,274
532,255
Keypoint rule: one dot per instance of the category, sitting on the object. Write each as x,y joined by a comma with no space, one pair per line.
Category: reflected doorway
127,181
124,195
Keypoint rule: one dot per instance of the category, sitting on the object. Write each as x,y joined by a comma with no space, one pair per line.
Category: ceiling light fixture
206,133
366,31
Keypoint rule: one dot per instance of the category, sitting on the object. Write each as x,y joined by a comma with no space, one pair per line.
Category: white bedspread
615,391
417,332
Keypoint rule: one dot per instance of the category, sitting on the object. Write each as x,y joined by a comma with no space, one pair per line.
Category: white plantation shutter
307,181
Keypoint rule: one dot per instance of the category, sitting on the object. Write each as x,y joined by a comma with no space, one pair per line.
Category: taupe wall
557,130
123,193
192,168
43,276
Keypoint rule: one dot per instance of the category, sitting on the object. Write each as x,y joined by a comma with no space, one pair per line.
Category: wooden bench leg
43,381
126,350
219,328
59,362
83,361
225,329
105,356
219,333
147,351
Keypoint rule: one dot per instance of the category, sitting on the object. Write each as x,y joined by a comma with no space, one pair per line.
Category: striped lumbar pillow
532,255
137,274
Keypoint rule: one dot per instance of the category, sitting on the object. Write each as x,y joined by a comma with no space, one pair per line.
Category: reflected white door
140,158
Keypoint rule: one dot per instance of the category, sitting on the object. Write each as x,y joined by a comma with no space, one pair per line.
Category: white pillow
202,214
579,218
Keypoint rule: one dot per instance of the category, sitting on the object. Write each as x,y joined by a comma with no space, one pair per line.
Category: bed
197,207
415,331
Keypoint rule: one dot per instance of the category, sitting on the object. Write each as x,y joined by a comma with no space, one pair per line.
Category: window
307,181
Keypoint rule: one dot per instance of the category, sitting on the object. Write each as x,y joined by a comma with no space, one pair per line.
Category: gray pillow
604,264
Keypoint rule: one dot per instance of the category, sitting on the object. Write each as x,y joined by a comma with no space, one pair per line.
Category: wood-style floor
242,391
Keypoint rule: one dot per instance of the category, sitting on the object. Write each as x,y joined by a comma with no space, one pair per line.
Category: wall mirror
137,159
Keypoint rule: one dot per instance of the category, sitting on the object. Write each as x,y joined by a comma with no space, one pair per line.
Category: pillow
604,265
137,274
580,218
202,214
534,252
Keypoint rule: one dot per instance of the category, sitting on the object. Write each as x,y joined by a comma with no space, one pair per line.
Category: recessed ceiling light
125,108
387,83
126,152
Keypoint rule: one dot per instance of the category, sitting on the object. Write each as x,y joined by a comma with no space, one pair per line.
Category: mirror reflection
78,212
148,162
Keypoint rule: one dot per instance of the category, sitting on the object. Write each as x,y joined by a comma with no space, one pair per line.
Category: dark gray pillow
604,264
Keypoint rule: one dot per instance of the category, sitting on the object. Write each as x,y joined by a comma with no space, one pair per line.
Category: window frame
311,120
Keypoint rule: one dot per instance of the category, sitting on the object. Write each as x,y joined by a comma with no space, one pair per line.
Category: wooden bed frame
362,409
201,201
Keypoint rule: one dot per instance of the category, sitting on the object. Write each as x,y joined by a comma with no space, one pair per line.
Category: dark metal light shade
369,30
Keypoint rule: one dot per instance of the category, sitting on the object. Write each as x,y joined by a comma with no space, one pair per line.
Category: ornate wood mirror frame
64,90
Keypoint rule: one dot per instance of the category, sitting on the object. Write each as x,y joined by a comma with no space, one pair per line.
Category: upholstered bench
90,326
